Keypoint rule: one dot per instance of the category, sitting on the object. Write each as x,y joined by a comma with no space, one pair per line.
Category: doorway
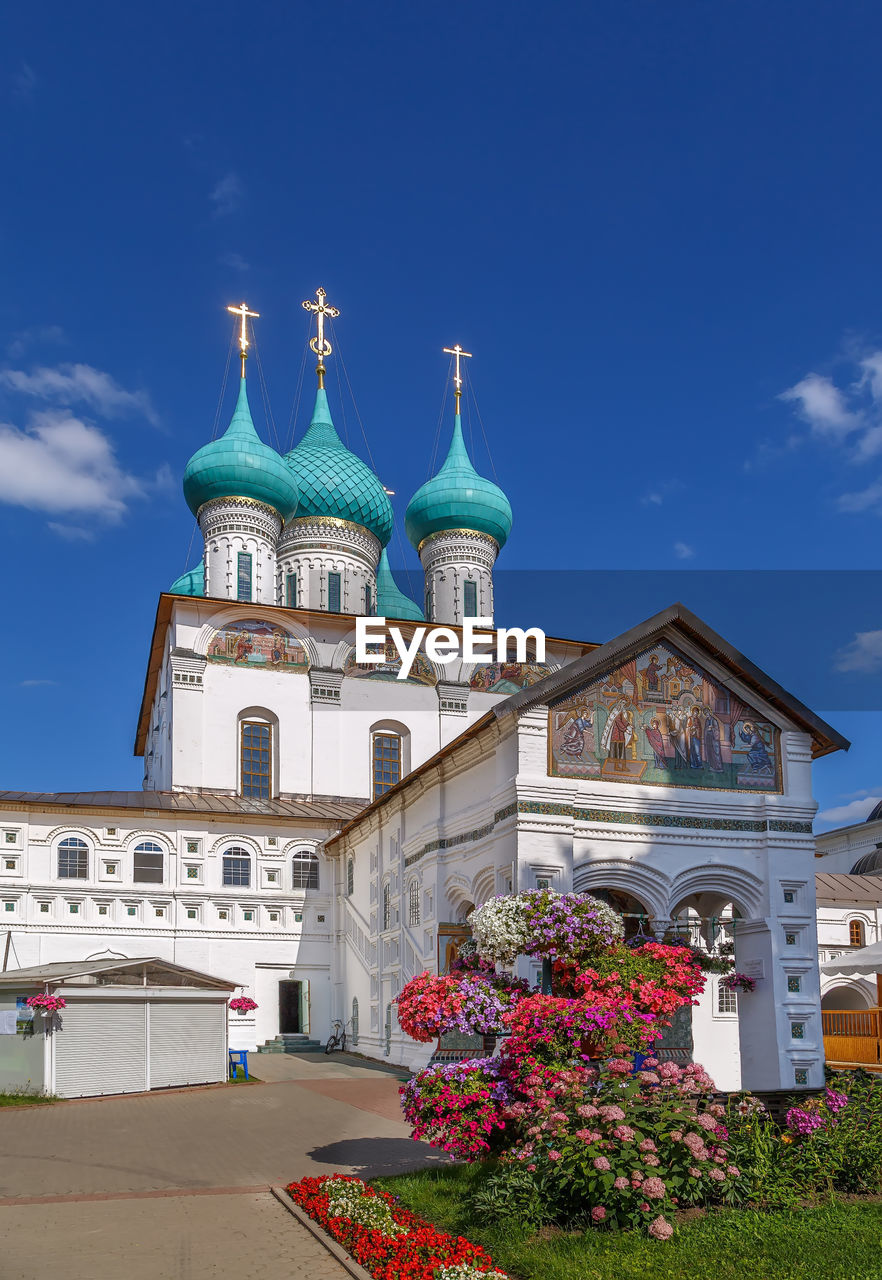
290,1008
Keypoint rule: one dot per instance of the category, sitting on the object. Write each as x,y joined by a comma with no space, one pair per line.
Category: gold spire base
320,370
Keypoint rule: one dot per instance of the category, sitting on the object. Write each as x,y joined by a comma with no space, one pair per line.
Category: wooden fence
852,1035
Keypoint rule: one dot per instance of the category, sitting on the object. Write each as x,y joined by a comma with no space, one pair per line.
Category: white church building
316,830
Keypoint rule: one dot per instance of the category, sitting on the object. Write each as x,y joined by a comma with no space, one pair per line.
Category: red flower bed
416,1254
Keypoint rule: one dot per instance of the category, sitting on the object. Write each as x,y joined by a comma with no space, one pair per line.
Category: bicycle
337,1039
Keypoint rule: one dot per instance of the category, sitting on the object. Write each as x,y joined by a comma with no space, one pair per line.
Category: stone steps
291,1042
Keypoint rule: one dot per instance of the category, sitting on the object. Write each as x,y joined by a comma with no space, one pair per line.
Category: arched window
856,933
305,868
387,905
350,878
237,867
256,753
148,863
355,1020
73,859
385,762
413,903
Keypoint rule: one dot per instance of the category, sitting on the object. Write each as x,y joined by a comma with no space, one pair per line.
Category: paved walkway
76,1178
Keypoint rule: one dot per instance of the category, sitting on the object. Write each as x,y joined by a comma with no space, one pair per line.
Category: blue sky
656,227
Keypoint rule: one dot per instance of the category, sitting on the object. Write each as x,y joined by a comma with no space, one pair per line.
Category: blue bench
238,1058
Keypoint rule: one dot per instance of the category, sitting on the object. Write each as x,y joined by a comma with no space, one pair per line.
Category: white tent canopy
865,960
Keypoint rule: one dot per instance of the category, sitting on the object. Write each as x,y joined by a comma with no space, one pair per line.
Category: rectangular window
256,766
470,599
386,762
368,599
333,593
291,590
147,868
243,582
727,1001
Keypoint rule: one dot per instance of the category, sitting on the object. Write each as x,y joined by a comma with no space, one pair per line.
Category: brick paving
175,1186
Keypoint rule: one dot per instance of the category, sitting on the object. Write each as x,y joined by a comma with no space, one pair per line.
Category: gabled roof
671,622
70,970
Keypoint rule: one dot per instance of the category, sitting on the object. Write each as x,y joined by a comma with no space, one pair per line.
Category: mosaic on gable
257,644
659,718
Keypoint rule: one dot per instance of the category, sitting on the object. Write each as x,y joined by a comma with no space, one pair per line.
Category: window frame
291,590
335,581
350,877
413,904
73,846
239,854
153,851
469,590
387,906
244,559
379,786
857,927
247,791
305,858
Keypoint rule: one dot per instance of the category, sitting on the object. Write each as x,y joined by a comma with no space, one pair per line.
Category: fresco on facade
421,672
659,718
257,644
507,677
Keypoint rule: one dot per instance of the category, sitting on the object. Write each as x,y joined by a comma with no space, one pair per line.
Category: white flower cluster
499,927
465,1271
348,1200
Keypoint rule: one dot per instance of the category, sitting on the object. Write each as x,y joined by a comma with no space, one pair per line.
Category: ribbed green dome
240,465
458,498
334,482
191,583
392,603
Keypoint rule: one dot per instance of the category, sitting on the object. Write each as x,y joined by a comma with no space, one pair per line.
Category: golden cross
242,311
320,344
458,352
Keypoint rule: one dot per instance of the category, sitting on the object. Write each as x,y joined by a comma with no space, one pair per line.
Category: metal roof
333,808
65,970
838,887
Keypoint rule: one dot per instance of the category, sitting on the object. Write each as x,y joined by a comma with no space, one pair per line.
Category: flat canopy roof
333,808
115,970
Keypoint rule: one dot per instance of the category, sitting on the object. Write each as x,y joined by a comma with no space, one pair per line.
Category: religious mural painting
259,645
660,719
422,671
507,677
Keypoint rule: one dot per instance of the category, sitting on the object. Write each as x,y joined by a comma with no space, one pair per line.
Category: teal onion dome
240,465
191,583
334,482
392,603
458,498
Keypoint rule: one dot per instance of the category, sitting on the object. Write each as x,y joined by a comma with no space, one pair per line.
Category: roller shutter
188,1043
101,1047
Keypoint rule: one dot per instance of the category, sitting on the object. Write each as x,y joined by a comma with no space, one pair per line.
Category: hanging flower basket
738,982
243,1004
46,1004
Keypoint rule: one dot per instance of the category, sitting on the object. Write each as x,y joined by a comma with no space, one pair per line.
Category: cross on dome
242,311
458,353
319,344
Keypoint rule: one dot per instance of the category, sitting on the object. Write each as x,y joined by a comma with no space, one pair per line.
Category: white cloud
28,338
683,551
72,532
33,684
863,653
24,83
845,814
79,383
823,406
234,261
63,465
869,499
226,196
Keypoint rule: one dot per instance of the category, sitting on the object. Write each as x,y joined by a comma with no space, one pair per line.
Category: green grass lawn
834,1242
